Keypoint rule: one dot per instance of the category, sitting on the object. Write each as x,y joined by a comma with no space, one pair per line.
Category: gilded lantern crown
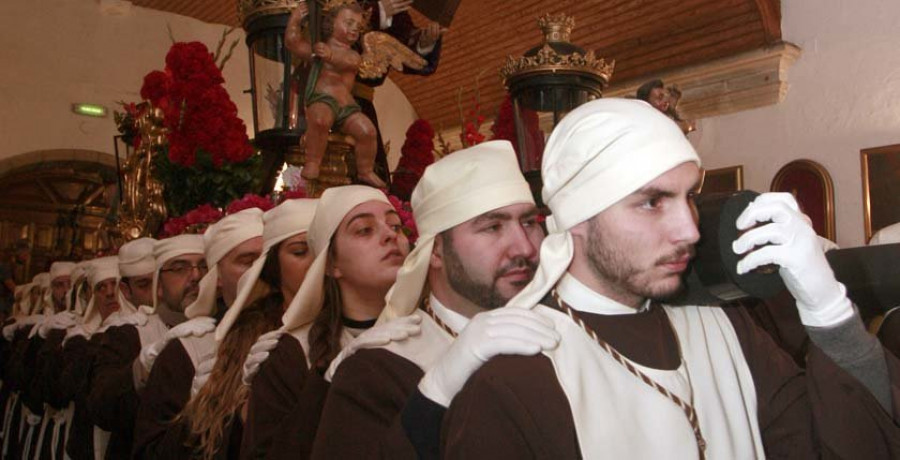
556,54
556,27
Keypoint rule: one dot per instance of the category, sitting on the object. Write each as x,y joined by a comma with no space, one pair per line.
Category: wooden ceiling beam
770,16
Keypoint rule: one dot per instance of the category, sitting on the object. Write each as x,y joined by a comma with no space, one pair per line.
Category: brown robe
167,392
113,400
513,407
362,414
79,355
16,378
285,403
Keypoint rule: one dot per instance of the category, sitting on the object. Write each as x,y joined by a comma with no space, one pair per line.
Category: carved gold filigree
142,207
381,52
557,28
338,164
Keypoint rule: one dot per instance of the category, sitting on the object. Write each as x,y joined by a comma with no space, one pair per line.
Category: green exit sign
90,110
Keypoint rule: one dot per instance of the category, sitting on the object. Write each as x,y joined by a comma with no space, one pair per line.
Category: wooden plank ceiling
644,37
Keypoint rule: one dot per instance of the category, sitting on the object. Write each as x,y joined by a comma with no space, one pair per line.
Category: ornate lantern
547,82
277,120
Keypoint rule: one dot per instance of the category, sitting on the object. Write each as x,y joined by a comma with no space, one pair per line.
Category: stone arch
56,201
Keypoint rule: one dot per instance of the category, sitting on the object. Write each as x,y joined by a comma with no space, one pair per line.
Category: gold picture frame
811,185
723,180
881,187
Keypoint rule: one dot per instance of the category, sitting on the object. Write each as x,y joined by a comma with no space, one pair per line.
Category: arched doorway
56,204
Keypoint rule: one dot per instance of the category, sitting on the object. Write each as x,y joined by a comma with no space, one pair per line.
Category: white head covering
599,153
101,269
23,305
457,188
288,219
78,273
887,235
136,258
169,248
41,281
58,269
334,204
218,240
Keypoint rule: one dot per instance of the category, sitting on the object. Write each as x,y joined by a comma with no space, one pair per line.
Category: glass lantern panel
270,101
537,112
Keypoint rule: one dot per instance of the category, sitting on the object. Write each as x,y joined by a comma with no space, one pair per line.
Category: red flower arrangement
208,157
416,154
194,221
249,201
197,110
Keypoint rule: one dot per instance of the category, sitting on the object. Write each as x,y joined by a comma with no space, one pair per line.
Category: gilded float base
338,165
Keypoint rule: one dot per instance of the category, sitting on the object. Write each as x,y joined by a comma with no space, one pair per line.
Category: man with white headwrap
136,268
231,245
478,246
635,378
125,353
80,346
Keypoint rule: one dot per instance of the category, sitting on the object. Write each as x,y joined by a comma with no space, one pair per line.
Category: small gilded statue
666,101
335,64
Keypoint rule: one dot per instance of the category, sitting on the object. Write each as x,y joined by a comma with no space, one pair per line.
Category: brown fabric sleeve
783,408
274,393
361,418
511,408
822,412
50,358
112,400
168,390
32,392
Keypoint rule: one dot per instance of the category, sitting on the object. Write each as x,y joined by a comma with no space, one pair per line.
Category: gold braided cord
434,316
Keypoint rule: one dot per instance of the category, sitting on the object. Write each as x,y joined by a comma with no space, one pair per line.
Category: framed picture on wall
811,185
881,187
723,180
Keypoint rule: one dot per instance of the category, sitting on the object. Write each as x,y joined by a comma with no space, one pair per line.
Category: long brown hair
325,333
221,398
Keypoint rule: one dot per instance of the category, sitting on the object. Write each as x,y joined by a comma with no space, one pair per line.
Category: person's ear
437,253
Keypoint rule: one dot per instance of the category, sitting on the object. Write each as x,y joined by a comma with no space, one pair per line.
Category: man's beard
484,295
612,264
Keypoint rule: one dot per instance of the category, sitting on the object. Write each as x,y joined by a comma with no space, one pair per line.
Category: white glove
197,327
794,246
505,331
10,330
259,352
378,336
135,319
202,373
63,320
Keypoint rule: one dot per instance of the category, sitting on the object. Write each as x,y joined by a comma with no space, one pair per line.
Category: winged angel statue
331,48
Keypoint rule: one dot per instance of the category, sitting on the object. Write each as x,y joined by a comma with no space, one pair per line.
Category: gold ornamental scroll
142,208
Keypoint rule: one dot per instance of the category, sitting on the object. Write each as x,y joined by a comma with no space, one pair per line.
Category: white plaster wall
56,52
844,96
